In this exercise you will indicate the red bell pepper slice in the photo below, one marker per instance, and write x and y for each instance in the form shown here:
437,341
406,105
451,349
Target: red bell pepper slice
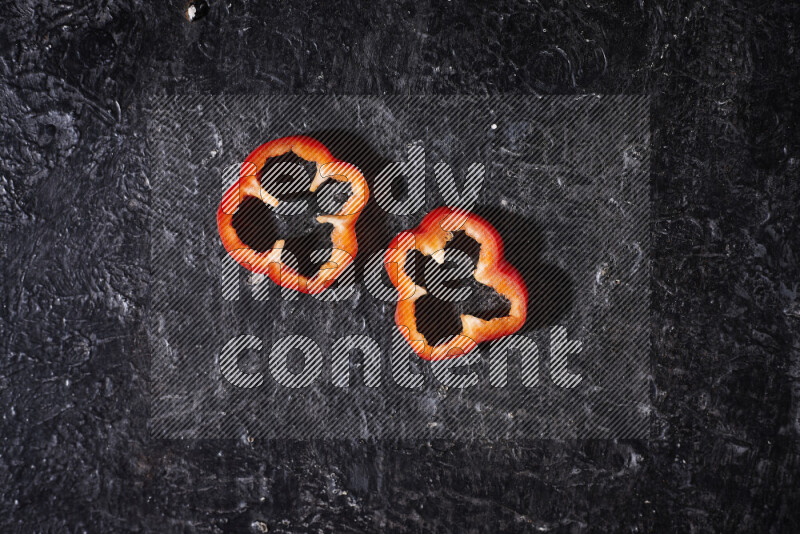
343,236
430,238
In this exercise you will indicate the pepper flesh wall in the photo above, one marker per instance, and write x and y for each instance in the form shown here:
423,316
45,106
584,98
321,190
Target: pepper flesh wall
430,238
343,236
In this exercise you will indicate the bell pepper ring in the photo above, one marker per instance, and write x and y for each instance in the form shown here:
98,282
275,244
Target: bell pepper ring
430,238
343,235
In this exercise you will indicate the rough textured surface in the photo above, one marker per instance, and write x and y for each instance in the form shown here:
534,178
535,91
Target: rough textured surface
726,360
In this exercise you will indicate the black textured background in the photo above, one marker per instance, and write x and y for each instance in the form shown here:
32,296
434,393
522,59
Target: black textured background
75,455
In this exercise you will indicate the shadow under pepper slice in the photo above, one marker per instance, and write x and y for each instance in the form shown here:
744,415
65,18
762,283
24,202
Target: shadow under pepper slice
430,238
343,236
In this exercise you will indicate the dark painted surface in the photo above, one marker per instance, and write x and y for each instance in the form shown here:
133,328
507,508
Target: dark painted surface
75,454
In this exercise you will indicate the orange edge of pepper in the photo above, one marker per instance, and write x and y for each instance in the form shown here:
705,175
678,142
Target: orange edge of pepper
343,235
430,238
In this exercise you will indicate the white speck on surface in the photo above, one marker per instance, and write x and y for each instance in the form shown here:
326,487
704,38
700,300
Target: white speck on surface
494,126
600,273
191,12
